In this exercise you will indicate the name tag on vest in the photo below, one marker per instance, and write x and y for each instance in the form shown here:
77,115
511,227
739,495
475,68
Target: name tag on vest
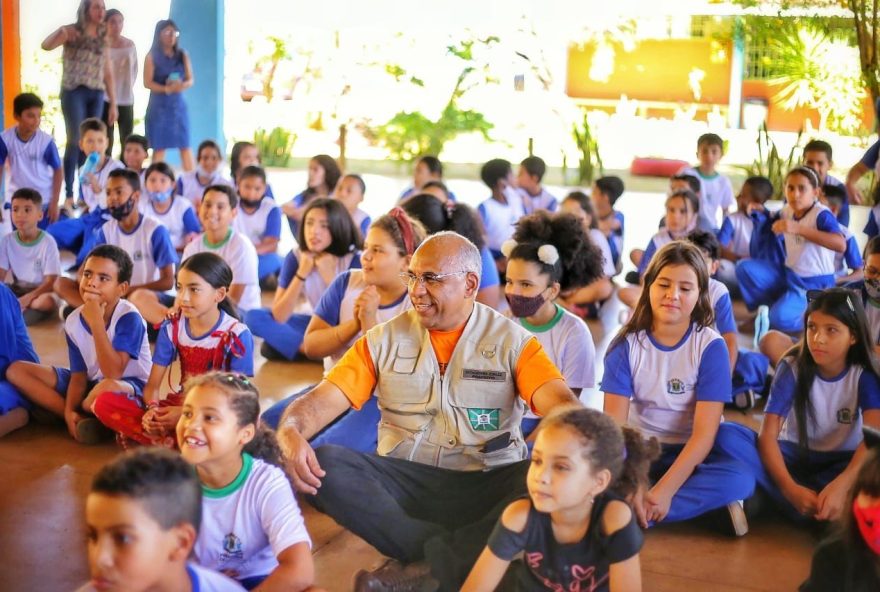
490,375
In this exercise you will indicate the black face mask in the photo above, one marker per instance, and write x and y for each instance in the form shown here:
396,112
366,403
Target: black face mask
524,306
250,203
120,212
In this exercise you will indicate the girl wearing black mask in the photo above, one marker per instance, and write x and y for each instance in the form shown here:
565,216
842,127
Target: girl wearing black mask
548,254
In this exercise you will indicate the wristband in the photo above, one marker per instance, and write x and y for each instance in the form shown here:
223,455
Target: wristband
299,277
152,405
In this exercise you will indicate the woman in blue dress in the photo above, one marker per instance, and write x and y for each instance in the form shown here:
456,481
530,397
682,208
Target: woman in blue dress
167,73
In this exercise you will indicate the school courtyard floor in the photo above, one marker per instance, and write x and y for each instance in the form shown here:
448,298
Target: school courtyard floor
47,475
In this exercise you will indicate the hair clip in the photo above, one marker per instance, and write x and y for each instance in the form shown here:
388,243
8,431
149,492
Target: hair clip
507,247
548,254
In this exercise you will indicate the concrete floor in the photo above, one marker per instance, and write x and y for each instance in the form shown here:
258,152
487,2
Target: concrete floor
42,536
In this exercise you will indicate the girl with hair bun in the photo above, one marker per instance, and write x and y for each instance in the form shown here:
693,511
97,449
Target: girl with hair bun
549,254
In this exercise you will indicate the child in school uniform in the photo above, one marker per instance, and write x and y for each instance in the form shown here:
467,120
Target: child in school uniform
811,237
108,347
749,369
428,169
355,302
15,345
869,290
142,237
29,258
143,514
242,155
503,208
667,373
70,234
604,194
135,152
259,219
575,529
204,334
350,192
208,172
810,447
330,244
174,212
534,195
33,159
682,211
817,156
547,255
438,214
323,176
252,527
735,235
847,265
716,192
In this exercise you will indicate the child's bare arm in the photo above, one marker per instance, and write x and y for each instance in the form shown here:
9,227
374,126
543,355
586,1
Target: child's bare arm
268,244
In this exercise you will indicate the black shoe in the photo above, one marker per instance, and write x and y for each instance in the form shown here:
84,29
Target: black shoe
270,353
744,401
396,577
32,317
91,431
66,311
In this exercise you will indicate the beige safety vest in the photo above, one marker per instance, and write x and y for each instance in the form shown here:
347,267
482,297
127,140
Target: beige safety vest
446,421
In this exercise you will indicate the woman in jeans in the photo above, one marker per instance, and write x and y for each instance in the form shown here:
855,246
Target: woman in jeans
85,77
124,63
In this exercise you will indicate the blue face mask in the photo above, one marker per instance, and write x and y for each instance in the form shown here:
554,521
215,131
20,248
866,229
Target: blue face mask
161,196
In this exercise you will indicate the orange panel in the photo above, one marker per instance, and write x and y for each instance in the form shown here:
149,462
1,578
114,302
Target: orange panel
783,120
11,57
655,70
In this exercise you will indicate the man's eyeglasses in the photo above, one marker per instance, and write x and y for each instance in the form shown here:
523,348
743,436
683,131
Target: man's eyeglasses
429,280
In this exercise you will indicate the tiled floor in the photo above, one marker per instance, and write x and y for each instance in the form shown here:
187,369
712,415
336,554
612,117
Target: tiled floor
46,476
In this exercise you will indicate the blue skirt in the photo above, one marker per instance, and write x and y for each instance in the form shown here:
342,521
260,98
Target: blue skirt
167,121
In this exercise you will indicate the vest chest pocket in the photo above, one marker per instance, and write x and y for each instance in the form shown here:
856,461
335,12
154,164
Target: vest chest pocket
404,391
482,403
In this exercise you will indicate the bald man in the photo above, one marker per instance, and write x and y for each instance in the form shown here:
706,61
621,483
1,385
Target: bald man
452,378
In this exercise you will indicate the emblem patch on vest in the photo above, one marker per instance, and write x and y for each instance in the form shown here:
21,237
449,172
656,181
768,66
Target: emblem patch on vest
844,415
491,375
484,420
675,386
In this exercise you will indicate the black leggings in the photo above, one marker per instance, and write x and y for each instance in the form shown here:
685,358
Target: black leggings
126,124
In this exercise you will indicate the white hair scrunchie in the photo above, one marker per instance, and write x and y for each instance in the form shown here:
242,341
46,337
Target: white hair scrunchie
507,247
548,254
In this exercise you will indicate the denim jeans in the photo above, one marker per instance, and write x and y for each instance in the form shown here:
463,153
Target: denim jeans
77,104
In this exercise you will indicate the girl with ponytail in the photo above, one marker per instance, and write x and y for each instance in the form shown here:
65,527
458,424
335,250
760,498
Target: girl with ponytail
204,331
575,530
263,544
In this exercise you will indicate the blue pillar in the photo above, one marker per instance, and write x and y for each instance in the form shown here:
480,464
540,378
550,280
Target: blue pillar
201,24
737,67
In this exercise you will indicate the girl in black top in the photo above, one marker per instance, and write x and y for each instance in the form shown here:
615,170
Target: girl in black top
849,561
575,533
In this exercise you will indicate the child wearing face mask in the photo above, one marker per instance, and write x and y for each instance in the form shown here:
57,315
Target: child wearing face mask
849,560
549,254
173,211
144,238
259,219
192,184
869,289
503,208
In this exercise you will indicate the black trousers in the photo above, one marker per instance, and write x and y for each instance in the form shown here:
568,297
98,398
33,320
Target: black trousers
410,511
125,122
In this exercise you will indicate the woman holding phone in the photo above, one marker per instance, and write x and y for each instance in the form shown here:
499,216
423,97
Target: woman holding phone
167,73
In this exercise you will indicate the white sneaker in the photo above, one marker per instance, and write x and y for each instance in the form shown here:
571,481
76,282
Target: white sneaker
739,524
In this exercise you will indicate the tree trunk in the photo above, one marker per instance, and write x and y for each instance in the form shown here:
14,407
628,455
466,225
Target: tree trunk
865,14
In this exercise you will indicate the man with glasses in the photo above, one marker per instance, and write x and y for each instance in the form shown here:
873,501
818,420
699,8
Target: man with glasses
452,379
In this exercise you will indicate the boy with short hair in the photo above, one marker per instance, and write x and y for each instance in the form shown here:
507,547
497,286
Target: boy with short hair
716,192
817,156
31,256
847,265
135,151
535,197
502,210
604,194
107,345
259,219
350,192
153,498
736,231
70,234
142,237
33,157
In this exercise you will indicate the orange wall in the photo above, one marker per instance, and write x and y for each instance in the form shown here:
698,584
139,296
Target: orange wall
11,57
656,70
779,119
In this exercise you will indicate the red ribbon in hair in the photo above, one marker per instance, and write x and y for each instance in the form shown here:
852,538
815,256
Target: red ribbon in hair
406,230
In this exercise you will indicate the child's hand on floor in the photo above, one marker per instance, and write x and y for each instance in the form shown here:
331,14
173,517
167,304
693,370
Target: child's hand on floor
803,499
832,499
657,504
71,418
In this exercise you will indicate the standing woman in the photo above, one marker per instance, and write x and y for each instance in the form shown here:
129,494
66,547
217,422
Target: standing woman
85,77
124,65
167,73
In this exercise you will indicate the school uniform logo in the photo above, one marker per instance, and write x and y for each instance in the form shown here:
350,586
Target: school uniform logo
484,420
844,415
138,255
675,386
231,548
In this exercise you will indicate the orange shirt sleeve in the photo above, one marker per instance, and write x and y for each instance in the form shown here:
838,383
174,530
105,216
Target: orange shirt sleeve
355,374
534,368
